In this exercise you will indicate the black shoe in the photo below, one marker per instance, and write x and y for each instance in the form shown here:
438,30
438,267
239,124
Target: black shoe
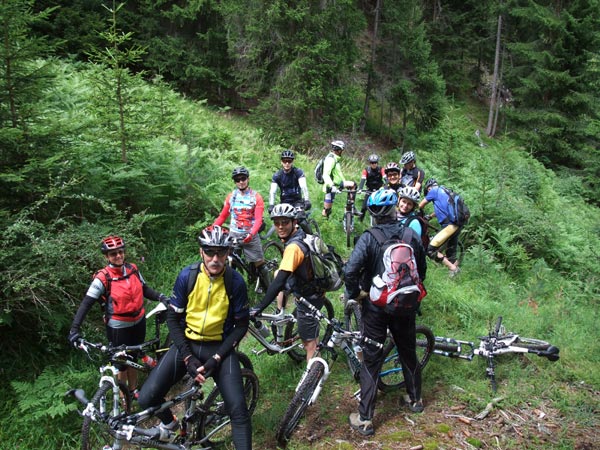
364,427
415,406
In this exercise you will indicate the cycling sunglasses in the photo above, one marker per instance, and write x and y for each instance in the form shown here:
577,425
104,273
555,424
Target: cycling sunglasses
212,251
238,179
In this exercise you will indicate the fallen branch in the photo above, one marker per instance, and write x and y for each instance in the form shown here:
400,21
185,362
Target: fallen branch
488,409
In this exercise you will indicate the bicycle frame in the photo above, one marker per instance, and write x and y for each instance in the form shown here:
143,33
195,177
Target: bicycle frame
279,321
124,427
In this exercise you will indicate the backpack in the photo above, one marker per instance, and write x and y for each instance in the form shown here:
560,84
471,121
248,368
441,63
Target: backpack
327,265
227,279
424,228
107,303
459,211
319,170
398,290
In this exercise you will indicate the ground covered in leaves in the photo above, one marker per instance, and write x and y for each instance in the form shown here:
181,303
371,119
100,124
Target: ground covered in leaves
452,426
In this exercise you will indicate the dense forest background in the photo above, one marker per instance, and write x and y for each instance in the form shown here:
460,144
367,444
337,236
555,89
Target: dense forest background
128,118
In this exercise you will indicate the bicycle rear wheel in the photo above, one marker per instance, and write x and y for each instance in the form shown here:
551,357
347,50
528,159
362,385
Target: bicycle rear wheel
391,377
95,432
348,228
214,427
532,344
291,331
299,403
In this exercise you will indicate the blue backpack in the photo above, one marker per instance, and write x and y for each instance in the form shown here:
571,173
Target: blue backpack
459,211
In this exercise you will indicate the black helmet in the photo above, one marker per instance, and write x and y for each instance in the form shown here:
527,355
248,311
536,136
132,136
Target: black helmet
240,171
429,183
287,154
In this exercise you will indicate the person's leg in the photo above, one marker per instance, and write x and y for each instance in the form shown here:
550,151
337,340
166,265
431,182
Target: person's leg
373,326
170,370
404,335
309,326
229,381
437,241
328,203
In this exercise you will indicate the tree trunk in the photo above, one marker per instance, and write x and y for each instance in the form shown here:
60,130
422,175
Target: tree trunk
369,86
494,93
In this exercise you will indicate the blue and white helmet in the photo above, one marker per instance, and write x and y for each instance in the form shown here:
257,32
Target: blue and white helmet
382,203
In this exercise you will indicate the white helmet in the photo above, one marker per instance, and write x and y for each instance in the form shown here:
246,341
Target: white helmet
410,193
338,145
214,236
283,210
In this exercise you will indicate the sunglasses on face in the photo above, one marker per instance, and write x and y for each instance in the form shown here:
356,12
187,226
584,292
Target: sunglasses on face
282,222
287,161
393,174
219,251
239,179
114,253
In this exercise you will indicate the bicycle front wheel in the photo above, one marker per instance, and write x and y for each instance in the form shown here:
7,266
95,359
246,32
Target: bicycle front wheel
352,316
95,432
299,403
214,427
291,331
391,377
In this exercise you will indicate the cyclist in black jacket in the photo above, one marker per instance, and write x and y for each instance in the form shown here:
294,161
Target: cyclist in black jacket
365,262
372,176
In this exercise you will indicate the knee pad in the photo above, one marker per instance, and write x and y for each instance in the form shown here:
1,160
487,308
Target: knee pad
432,252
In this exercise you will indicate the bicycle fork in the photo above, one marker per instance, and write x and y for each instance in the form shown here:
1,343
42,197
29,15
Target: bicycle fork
326,372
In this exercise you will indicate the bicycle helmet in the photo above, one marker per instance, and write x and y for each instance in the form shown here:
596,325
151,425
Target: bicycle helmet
338,146
111,243
382,203
287,154
408,157
214,236
283,210
410,193
373,158
429,183
392,167
241,170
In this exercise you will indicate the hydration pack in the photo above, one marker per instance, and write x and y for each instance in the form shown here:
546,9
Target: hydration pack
327,265
398,289
459,211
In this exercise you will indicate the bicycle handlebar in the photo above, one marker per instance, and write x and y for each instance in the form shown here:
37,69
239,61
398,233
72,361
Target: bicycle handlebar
337,326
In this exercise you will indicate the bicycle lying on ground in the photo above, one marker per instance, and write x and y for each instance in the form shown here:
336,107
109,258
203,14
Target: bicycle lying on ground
278,332
109,422
318,370
497,342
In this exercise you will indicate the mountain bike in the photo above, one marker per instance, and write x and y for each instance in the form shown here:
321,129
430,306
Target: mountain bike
280,335
390,377
497,342
318,370
349,213
108,420
273,251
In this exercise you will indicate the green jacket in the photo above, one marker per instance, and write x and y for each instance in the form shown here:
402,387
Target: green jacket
332,171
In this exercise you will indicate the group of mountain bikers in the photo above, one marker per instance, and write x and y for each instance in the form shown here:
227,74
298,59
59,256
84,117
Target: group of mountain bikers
209,314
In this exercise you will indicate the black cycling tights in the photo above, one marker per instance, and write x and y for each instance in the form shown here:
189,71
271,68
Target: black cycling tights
171,369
